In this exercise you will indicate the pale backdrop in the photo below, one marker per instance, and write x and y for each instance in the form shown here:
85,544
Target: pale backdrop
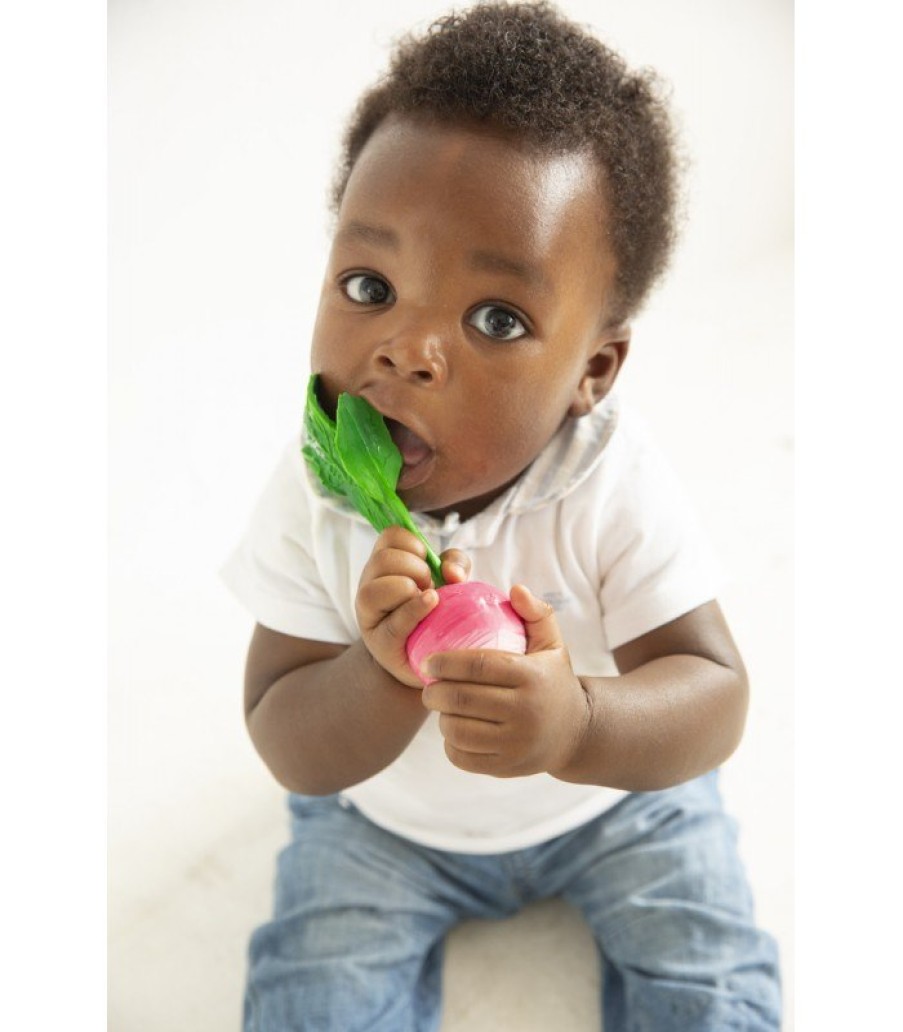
225,117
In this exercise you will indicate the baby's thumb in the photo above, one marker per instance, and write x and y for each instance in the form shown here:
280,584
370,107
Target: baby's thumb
455,566
539,618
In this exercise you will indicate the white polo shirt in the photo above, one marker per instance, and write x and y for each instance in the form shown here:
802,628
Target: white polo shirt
597,526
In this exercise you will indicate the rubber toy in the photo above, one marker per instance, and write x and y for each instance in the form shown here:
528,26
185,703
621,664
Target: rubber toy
473,615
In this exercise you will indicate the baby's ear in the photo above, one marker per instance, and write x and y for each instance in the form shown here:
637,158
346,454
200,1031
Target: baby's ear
601,371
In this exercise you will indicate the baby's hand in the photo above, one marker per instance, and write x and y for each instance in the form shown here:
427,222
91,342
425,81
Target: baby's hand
510,715
395,593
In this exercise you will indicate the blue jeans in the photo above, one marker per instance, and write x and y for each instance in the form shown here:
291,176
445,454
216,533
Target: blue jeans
360,917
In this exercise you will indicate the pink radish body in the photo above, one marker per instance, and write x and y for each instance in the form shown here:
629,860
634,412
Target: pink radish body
469,616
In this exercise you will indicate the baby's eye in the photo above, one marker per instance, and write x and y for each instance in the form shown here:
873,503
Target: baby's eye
368,290
498,323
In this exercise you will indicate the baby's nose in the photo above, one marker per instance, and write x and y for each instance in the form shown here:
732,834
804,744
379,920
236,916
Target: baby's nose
416,356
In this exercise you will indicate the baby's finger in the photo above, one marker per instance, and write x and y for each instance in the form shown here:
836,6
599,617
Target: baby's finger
396,562
398,625
398,537
479,702
470,736
455,566
539,619
376,599
476,666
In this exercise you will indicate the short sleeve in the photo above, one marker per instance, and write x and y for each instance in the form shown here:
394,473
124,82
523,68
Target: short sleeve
273,572
656,562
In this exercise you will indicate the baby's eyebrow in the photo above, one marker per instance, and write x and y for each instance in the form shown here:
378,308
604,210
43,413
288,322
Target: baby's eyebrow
380,236
491,261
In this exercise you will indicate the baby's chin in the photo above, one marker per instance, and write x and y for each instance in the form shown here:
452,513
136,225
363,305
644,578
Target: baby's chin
433,503
438,505
428,503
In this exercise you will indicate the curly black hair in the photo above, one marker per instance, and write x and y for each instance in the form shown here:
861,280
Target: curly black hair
524,68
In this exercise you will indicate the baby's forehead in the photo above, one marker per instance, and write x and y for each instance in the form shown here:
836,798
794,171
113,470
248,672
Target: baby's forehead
482,166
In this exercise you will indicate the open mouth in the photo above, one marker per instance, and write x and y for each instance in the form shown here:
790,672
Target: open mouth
417,455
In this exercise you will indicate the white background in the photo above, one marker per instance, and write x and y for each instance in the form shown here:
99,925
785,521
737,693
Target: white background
182,951
225,120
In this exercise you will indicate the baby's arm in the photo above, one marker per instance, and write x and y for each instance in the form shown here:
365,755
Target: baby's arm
324,716
676,710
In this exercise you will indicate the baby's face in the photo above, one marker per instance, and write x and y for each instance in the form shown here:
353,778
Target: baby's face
465,298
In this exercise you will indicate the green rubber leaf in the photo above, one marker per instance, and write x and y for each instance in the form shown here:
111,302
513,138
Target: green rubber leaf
367,450
355,457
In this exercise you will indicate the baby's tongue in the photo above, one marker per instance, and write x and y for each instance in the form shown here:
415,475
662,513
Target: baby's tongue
413,448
